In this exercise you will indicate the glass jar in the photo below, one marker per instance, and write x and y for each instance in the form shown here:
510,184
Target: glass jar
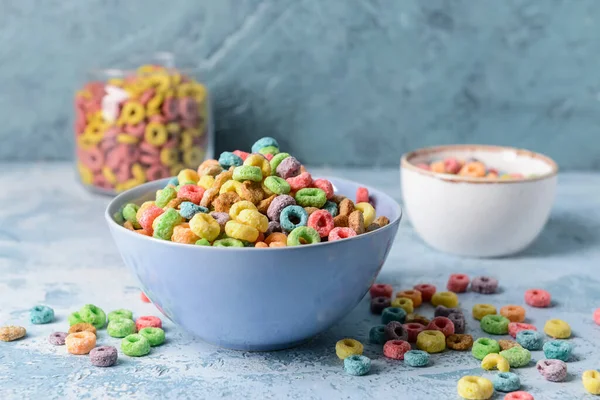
140,124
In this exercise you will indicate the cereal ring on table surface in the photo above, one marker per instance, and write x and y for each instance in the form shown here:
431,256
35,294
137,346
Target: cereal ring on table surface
362,195
224,201
377,334
552,370
530,340
458,283
80,343
412,317
495,324
93,315
321,221
427,291
506,344
205,226
431,341
228,159
446,299
395,331
341,221
538,298
247,173
356,222
416,358
331,208
11,332
57,338
135,345
494,360
103,356
292,217
458,319
381,290
276,237
459,342
82,326
187,210
254,219
129,213
303,235
474,169
288,168
591,381
513,313
228,242
357,365
74,318
41,315
155,336
516,356
506,382
347,347
484,346
518,396
340,233
264,142
302,181
390,314
148,321
413,295
481,310
192,193
413,329
475,388
403,303
118,314
442,311
163,225
515,327
258,160
277,185
278,204
263,205
237,230
310,197
119,328
368,212
558,350
164,196
441,324
395,349
325,186
557,329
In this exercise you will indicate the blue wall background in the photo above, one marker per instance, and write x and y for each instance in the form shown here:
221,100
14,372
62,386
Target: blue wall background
355,82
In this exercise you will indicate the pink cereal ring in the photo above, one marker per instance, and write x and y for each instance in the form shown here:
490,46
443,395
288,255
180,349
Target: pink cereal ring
157,171
147,148
123,172
169,108
147,96
92,158
322,222
301,181
538,298
452,165
395,349
193,193
362,195
340,233
107,144
241,154
188,108
112,132
150,159
423,166
172,143
148,216
516,327
148,322
325,186
458,283
597,316
137,130
518,396
381,290
159,119
101,182
190,123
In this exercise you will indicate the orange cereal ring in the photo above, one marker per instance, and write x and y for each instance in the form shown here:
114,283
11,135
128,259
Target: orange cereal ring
513,313
132,113
475,169
278,244
183,234
412,294
156,134
261,245
276,237
80,342
83,326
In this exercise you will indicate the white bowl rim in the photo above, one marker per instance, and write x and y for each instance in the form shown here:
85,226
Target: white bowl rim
118,199
405,162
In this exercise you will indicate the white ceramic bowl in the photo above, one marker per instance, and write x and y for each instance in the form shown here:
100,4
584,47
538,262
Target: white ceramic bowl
478,217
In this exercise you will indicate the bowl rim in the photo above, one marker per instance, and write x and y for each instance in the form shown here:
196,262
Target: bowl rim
143,189
405,162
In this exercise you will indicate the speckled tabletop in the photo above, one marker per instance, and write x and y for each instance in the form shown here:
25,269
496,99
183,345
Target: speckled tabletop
55,249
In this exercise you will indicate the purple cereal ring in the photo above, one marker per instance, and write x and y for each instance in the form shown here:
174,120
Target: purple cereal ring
137,130
104,356
221,217
288,168
458,319
552,370
274,226
169,108
188,108
484,285
156,172
278,204
57,338
441,311
92,158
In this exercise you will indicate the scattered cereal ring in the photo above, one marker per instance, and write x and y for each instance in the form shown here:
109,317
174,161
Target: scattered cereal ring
414,295
558,350
292,217
518,396
458,319
427,291
322,222
484,346
403,303
146,219
80,343
390,314
552,370
458,283
57,338
93,315
395,349
530,340
506,382
303,235
538,298
276,160
516,356
10,332
395,331
259,161
516,327
41,315
494,360
340,233
155,336
118,314
74,318
412,317
557,329
484,285
446,299
121,327
416,358
591,381
381,290
507,344
441,324
441,311
513,313
459,342
135,345
495,324
377,334
475,388
481,310
103,356
347,347
413,329
311,197
431,341
357,365
148,321
81,327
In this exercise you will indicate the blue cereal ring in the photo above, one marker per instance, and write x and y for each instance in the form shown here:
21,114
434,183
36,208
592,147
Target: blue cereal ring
187,209
173,181
41,315
263,142
377,335
228,159
530,339
505,381
292,217
357,365
331,208
393,314
558,350
416,358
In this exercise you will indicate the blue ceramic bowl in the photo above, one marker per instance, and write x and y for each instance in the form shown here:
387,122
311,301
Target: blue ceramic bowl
255,299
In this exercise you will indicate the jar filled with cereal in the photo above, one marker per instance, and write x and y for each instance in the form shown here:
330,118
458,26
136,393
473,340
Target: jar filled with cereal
134,125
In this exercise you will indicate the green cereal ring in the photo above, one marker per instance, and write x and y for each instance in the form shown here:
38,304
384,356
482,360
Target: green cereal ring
247,173
155,336
276,160
331,208
269,150
186,183
93,315
305,233
121,327
129,212
484,346
202,242
311,197
135,345
74,318
165,223
164,196
495,324
516,356
277,185
228,242
118,314
118,217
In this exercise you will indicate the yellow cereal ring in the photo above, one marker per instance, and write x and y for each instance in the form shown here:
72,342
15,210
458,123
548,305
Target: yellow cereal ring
494,360
348,347
186,175
127,139
239,206
368,212
481,310
254,219
132,113
109,175
557,329
230,186
95,128
160,81
199,92
240,231
187,141
205,226
186,89
446,299
138,173
431,341
156,134
192,157
87,176
170,157
173,128
155,103
206,181
256,160
404,303
591,381
193,132
475,388
87,141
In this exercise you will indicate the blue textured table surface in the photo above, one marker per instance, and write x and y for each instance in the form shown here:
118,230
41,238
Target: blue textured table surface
55,249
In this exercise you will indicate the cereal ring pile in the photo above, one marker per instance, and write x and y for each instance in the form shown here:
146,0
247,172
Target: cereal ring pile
261,199
145,126
472,168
